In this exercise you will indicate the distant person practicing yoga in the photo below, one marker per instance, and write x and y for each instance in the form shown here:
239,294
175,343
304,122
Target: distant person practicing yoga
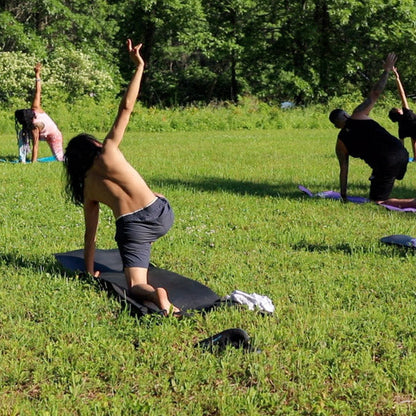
37,125
99,173
405,117
364,138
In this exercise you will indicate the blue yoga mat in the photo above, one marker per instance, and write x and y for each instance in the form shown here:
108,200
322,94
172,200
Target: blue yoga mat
41,159
400,240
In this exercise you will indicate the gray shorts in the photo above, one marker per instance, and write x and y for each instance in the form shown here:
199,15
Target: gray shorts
136,232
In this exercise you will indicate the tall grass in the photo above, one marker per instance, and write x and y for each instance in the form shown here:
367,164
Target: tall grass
249,113
342,340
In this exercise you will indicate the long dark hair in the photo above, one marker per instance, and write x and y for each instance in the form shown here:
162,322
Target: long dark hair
24,118
79,157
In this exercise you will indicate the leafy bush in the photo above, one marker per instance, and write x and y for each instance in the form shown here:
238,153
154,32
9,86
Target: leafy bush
68,75
17,77
77,75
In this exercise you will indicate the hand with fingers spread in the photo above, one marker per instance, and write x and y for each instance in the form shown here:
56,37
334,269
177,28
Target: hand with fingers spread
134,52
37,69
389,62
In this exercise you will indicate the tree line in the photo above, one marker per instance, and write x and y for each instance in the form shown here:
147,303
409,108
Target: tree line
199,51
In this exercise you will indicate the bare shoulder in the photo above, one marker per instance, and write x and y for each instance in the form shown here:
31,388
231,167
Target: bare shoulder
112,166
111,158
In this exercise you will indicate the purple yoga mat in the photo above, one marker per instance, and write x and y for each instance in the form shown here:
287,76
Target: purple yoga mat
393,208
355,199
333,195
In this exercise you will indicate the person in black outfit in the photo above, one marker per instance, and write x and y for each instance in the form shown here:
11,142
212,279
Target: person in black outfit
405,117
364,138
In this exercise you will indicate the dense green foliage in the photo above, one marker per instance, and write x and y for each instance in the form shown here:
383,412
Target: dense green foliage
206,50
342,341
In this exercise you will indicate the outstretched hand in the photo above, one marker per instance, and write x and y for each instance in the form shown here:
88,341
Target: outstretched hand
390,61
37,69
134,52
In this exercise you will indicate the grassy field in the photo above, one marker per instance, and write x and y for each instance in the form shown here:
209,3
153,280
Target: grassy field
342,340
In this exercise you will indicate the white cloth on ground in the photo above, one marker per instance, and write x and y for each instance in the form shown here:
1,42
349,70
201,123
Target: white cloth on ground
252,300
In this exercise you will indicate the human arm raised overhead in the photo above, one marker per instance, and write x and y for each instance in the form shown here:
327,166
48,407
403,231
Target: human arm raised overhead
36,102
363,110
401,89
36,106
116,133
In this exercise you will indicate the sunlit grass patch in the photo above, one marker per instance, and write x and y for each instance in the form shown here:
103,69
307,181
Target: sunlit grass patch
341,340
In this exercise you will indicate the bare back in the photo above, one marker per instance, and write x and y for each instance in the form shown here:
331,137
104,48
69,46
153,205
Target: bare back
114,182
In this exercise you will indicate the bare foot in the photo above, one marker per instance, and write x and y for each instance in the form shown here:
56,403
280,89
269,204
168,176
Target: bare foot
164,302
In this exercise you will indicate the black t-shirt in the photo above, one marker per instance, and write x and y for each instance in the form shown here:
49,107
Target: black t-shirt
367,140
407,124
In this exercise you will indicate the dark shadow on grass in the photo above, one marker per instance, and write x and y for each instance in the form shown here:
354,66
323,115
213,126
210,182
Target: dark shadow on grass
43,264
261,189
235,186
348,249
8,158
40,264
324,248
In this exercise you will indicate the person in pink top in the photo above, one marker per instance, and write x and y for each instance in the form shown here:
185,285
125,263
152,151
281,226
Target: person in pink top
37,125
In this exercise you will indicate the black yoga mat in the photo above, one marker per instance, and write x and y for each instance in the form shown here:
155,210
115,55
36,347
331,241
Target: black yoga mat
183,292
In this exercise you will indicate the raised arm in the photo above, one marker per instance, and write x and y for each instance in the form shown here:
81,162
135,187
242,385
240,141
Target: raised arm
36,106
401,89
363,110
128,101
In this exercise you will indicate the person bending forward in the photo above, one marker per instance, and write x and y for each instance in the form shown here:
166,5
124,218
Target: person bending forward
364,138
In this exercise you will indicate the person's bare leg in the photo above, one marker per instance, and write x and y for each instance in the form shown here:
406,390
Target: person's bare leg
399,203
139,288
413,148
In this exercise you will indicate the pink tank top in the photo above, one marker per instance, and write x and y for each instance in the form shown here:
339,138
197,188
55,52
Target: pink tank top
50,131
51,134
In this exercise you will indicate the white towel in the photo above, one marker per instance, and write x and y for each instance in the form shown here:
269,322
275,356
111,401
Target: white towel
252,300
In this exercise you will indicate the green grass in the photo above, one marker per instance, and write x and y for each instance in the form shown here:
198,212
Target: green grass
250,113
342,340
